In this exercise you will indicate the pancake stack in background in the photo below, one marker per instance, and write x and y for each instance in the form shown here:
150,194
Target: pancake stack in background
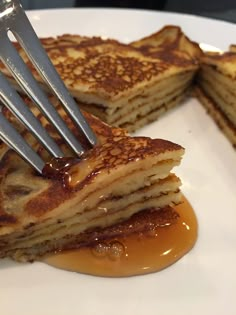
217,89
117,178
171,46
130,85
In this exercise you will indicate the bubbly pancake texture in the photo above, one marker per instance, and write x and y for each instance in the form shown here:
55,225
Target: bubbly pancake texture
119,177
172,41
125,85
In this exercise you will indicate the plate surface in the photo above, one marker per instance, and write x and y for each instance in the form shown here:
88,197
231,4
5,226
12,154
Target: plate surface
202,282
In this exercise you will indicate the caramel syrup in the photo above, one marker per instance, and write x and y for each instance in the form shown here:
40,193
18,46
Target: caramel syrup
61,168
137,253
58,168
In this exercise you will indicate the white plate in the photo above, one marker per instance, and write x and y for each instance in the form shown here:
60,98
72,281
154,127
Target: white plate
204,281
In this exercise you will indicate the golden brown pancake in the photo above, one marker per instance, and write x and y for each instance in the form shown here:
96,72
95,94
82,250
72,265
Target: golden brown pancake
216,91
125,85
168,43
119,177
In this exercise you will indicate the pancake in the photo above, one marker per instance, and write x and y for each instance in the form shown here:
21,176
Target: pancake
169,43
119,177
216,91
124,84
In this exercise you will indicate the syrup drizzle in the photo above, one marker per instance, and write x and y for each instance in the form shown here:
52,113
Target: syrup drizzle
138,253
57,168
62,169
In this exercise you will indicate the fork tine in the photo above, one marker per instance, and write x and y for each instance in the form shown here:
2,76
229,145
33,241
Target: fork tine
25,34
10,98
23,76
14,140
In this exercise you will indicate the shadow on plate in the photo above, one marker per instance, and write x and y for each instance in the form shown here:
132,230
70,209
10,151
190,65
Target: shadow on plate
8,263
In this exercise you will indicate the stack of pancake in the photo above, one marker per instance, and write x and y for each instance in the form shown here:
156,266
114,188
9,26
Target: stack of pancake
119,177
217,92
126,86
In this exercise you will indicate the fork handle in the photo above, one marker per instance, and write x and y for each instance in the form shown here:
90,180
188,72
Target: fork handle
14,140
36,53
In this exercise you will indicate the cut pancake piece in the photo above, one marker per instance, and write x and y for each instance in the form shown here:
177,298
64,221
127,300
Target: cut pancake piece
216,91
119,177
155,113
140,109
119,83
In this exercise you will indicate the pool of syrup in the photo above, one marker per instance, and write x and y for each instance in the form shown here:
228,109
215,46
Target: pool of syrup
137,253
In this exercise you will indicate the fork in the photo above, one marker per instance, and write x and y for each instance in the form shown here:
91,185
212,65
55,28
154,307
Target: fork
13,19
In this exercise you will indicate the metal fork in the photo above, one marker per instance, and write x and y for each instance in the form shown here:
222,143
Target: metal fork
14,19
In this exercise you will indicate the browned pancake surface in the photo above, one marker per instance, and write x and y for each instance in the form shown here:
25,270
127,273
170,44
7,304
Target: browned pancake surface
27,196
